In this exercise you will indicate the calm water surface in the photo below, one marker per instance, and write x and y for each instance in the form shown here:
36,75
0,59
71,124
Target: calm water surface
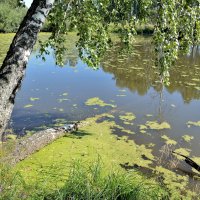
131,83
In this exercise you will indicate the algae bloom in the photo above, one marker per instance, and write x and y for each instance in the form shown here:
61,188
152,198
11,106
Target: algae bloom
168,140
127,117
193,123
96,101
157,126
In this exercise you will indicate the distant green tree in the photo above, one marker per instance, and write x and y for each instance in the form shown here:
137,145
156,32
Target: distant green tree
11,15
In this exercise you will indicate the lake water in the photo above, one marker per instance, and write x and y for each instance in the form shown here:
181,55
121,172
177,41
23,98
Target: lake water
51,94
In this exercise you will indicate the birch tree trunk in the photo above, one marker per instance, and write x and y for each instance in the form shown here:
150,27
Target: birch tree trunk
14,65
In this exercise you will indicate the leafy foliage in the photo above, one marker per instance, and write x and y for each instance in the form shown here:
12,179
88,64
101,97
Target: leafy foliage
176,27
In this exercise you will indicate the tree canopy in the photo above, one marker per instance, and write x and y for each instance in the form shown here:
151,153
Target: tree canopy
176,27
11,14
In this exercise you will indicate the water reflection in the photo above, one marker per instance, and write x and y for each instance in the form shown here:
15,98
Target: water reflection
138,72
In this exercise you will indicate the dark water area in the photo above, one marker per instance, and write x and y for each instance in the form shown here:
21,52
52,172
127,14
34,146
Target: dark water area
52,95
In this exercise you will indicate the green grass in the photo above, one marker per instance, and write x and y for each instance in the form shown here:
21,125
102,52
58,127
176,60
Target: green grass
85,182
91,183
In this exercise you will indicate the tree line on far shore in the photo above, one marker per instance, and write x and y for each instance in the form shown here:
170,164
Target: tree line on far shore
11,14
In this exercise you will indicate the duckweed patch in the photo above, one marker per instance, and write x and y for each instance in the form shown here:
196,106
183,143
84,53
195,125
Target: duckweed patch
157,126
149,115
183,151
28,106
63,99
187,138
168,140
120,95
96,101
51,165
193,123
34,98
127,116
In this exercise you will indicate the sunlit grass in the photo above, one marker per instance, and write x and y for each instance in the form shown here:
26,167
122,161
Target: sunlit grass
85,182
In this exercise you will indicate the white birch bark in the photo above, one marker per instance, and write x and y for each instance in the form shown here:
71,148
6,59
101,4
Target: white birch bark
14,65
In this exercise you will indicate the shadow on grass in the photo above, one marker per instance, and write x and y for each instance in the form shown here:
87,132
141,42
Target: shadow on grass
77,134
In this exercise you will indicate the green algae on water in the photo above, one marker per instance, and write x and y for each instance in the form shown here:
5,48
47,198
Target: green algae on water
28,106
168,140
142,127
120,95
127,116
193,123
63,99
157,126
92,140
96,101
52,163
149,115
183,151
187,138
34,98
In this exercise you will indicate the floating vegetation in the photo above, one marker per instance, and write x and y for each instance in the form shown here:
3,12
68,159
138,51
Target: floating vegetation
157,126
96,101
172,105
122,129
107,115
142,131
149,115
34,99
168,140
142,127
193,123
91,141
151,145
128,123
120,95
11,137
128,131
183,151
65,94
61,100
187,138
127,116
122,90
59,122
28,106
61,109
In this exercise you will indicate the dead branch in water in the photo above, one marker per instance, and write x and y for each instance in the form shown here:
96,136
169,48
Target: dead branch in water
189,161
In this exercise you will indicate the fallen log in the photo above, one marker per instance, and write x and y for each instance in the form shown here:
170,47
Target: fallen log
30,145
189,161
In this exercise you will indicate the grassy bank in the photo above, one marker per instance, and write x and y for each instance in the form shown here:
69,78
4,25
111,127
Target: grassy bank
84,182
53,172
